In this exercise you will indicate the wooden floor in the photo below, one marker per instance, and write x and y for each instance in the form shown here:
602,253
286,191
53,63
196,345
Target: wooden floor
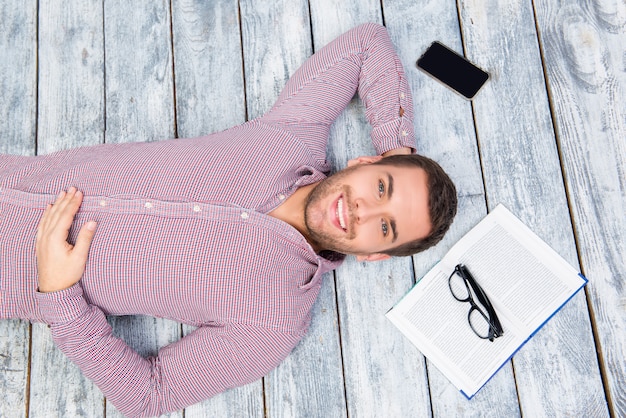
546,137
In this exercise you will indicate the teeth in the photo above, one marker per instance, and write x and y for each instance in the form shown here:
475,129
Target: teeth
342,221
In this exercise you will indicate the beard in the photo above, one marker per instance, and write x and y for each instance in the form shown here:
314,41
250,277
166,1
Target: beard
316,214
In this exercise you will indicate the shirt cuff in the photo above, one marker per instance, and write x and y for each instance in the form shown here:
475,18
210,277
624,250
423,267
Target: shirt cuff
394,134
62,306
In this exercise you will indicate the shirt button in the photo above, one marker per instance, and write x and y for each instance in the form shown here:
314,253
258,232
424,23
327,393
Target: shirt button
197,208
405,133
148,205
103,203
245,215
402,95
281,197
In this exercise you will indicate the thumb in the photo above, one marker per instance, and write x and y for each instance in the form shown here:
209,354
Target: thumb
83,241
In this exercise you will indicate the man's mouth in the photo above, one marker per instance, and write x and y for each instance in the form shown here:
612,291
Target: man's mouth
341,213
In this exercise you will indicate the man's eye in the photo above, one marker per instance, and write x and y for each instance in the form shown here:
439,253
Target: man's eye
381,188
385,228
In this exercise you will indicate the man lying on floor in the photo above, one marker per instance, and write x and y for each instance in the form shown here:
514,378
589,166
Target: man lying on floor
229,232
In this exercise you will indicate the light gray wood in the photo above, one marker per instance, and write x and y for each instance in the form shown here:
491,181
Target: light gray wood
556,371
139,82
71,99
309,382
18,84
14,349
18,77
139,107
384,375
445,131
276,41
584,46
70,75
209,98
208,66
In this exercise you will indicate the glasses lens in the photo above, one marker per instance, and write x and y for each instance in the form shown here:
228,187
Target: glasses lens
479,322
459,288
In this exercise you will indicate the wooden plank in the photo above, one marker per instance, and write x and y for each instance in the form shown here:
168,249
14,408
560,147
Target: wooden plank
71,75
139,82
445,131
382,379
557,372
276,41
71,104
18,77
209,98
139,107
18,84
208,66
583,46
14,350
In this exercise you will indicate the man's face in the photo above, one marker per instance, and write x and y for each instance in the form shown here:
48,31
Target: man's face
367,209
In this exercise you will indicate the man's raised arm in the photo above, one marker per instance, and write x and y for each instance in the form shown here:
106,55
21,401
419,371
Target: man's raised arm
361,60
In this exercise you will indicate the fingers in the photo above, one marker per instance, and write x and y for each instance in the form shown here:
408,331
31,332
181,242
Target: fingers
83,241
59,217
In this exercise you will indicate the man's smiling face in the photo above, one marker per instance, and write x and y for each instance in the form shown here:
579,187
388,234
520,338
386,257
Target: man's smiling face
367,209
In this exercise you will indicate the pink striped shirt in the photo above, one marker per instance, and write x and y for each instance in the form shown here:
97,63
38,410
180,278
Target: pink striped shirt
183,233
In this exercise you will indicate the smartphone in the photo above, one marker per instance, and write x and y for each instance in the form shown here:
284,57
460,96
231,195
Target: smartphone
453,70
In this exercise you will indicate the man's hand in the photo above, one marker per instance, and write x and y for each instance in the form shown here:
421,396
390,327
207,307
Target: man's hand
60,264
398,151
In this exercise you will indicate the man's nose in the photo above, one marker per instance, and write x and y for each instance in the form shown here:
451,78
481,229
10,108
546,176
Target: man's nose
364,210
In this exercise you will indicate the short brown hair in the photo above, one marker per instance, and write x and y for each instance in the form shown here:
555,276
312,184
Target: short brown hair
442,201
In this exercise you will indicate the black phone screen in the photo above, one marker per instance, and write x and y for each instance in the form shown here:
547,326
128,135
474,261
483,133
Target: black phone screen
452,69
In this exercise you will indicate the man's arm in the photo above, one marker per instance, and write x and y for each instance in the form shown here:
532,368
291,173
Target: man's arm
206,362
361,60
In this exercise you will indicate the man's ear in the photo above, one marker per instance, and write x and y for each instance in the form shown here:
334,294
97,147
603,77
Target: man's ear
366,159
373,257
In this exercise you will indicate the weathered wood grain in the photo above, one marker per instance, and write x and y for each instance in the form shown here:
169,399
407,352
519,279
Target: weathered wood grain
70,114
208,66
139,82
382,378
276,41
18,107
14,349
18,77
556,371
70,75
584,47
445,131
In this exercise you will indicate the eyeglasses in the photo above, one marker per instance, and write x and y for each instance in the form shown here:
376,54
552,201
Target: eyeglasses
485,325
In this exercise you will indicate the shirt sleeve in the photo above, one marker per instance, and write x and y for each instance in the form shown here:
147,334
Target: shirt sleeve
361,60
202,364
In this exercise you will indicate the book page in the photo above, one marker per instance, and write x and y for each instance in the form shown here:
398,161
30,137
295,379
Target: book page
443,321
525,280
523,277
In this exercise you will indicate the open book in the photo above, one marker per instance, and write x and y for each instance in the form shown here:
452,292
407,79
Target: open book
526,281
